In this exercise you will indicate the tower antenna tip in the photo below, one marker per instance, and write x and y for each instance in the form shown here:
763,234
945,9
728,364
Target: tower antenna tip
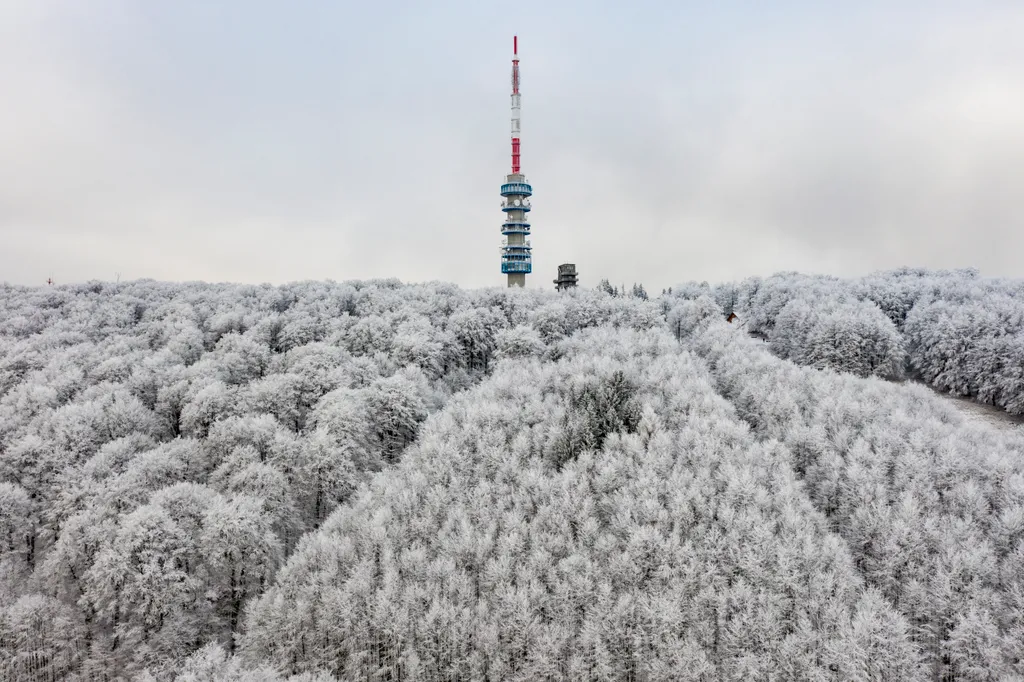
515,44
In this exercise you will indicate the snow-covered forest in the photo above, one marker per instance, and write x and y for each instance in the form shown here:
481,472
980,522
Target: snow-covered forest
952,329
371,480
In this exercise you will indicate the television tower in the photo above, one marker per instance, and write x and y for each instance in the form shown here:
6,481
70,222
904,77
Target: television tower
516,261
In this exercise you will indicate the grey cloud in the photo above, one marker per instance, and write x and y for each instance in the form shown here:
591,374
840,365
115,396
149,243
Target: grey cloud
663,144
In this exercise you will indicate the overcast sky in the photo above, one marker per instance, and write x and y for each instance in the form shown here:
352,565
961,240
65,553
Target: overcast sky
666,141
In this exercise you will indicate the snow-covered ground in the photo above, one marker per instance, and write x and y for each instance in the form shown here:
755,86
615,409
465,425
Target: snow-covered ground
986,414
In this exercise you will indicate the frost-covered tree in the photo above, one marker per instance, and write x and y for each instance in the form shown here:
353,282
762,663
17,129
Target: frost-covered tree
396,408
138,584
40,639
213,662
795,324
855,338
242,552
522,341
687,315
17,526
327,474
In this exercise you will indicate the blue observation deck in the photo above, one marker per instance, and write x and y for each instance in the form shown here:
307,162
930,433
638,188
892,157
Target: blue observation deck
516,189
512,264
506,208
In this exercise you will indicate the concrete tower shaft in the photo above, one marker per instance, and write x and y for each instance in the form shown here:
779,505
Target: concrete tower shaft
516,259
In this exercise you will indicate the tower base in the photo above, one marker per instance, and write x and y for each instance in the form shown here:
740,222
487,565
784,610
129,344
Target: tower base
517,279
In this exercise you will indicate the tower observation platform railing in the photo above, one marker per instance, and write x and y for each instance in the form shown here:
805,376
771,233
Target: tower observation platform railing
515,226
516,189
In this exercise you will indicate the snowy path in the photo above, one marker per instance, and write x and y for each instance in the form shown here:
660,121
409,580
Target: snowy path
984,414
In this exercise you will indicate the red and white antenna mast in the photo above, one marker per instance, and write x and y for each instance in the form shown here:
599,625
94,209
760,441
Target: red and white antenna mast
515,104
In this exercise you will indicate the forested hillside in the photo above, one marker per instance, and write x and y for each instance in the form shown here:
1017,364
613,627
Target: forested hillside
372,480
954,330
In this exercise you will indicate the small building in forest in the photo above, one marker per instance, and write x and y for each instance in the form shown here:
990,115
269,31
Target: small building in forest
732,316
566,277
